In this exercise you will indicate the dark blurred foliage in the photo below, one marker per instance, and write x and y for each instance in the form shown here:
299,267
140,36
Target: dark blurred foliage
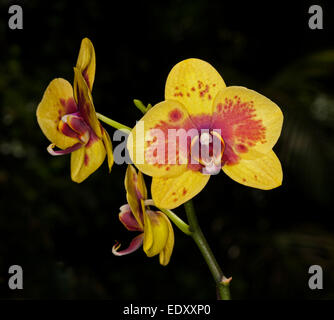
61,233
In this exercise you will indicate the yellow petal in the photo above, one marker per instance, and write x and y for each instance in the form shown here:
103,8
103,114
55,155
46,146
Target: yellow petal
107,143
156,232
133,199
148,142
166,253
56,102
84,100
86,160
170,193
194,83
250,123
86,62
141,185
263,173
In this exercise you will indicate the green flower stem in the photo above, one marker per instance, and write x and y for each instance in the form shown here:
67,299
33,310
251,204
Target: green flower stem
177,221
140,105
221,281
172,216
113,123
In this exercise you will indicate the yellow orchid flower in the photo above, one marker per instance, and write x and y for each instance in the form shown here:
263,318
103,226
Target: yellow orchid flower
157,235
67,117
218,127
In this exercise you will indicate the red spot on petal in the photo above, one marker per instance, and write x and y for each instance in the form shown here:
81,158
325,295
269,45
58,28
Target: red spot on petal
193,89
173,193
69,106
209,97
241,148
188,94
175,115
184,191
243,179
86,160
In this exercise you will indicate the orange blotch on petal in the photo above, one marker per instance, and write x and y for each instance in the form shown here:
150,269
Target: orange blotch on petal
175,115
239,127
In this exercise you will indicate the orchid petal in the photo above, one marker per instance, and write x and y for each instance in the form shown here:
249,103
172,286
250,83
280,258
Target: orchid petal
107,143
87,159
56,102
170,193
194,83
149,147
155,232
85,104
132,194
128,219
166,253
263,173
250,123
86,62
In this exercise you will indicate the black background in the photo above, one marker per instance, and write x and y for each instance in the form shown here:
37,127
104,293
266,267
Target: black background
61,233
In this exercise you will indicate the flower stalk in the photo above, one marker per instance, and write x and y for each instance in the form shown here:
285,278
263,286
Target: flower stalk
172,216
113,123
222,283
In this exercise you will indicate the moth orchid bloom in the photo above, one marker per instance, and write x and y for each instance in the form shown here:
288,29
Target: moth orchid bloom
210,127
67,117
157,235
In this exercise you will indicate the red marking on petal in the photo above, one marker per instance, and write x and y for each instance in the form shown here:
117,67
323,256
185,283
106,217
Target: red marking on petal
65,129
193,89
86,159
129,221
188,94
209,97
203,92
241,148
176,88
175,115
69,106
85,76
184,191
239,127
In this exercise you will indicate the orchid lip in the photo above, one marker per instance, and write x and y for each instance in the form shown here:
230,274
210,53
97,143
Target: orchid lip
207,149
77,125
75,147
